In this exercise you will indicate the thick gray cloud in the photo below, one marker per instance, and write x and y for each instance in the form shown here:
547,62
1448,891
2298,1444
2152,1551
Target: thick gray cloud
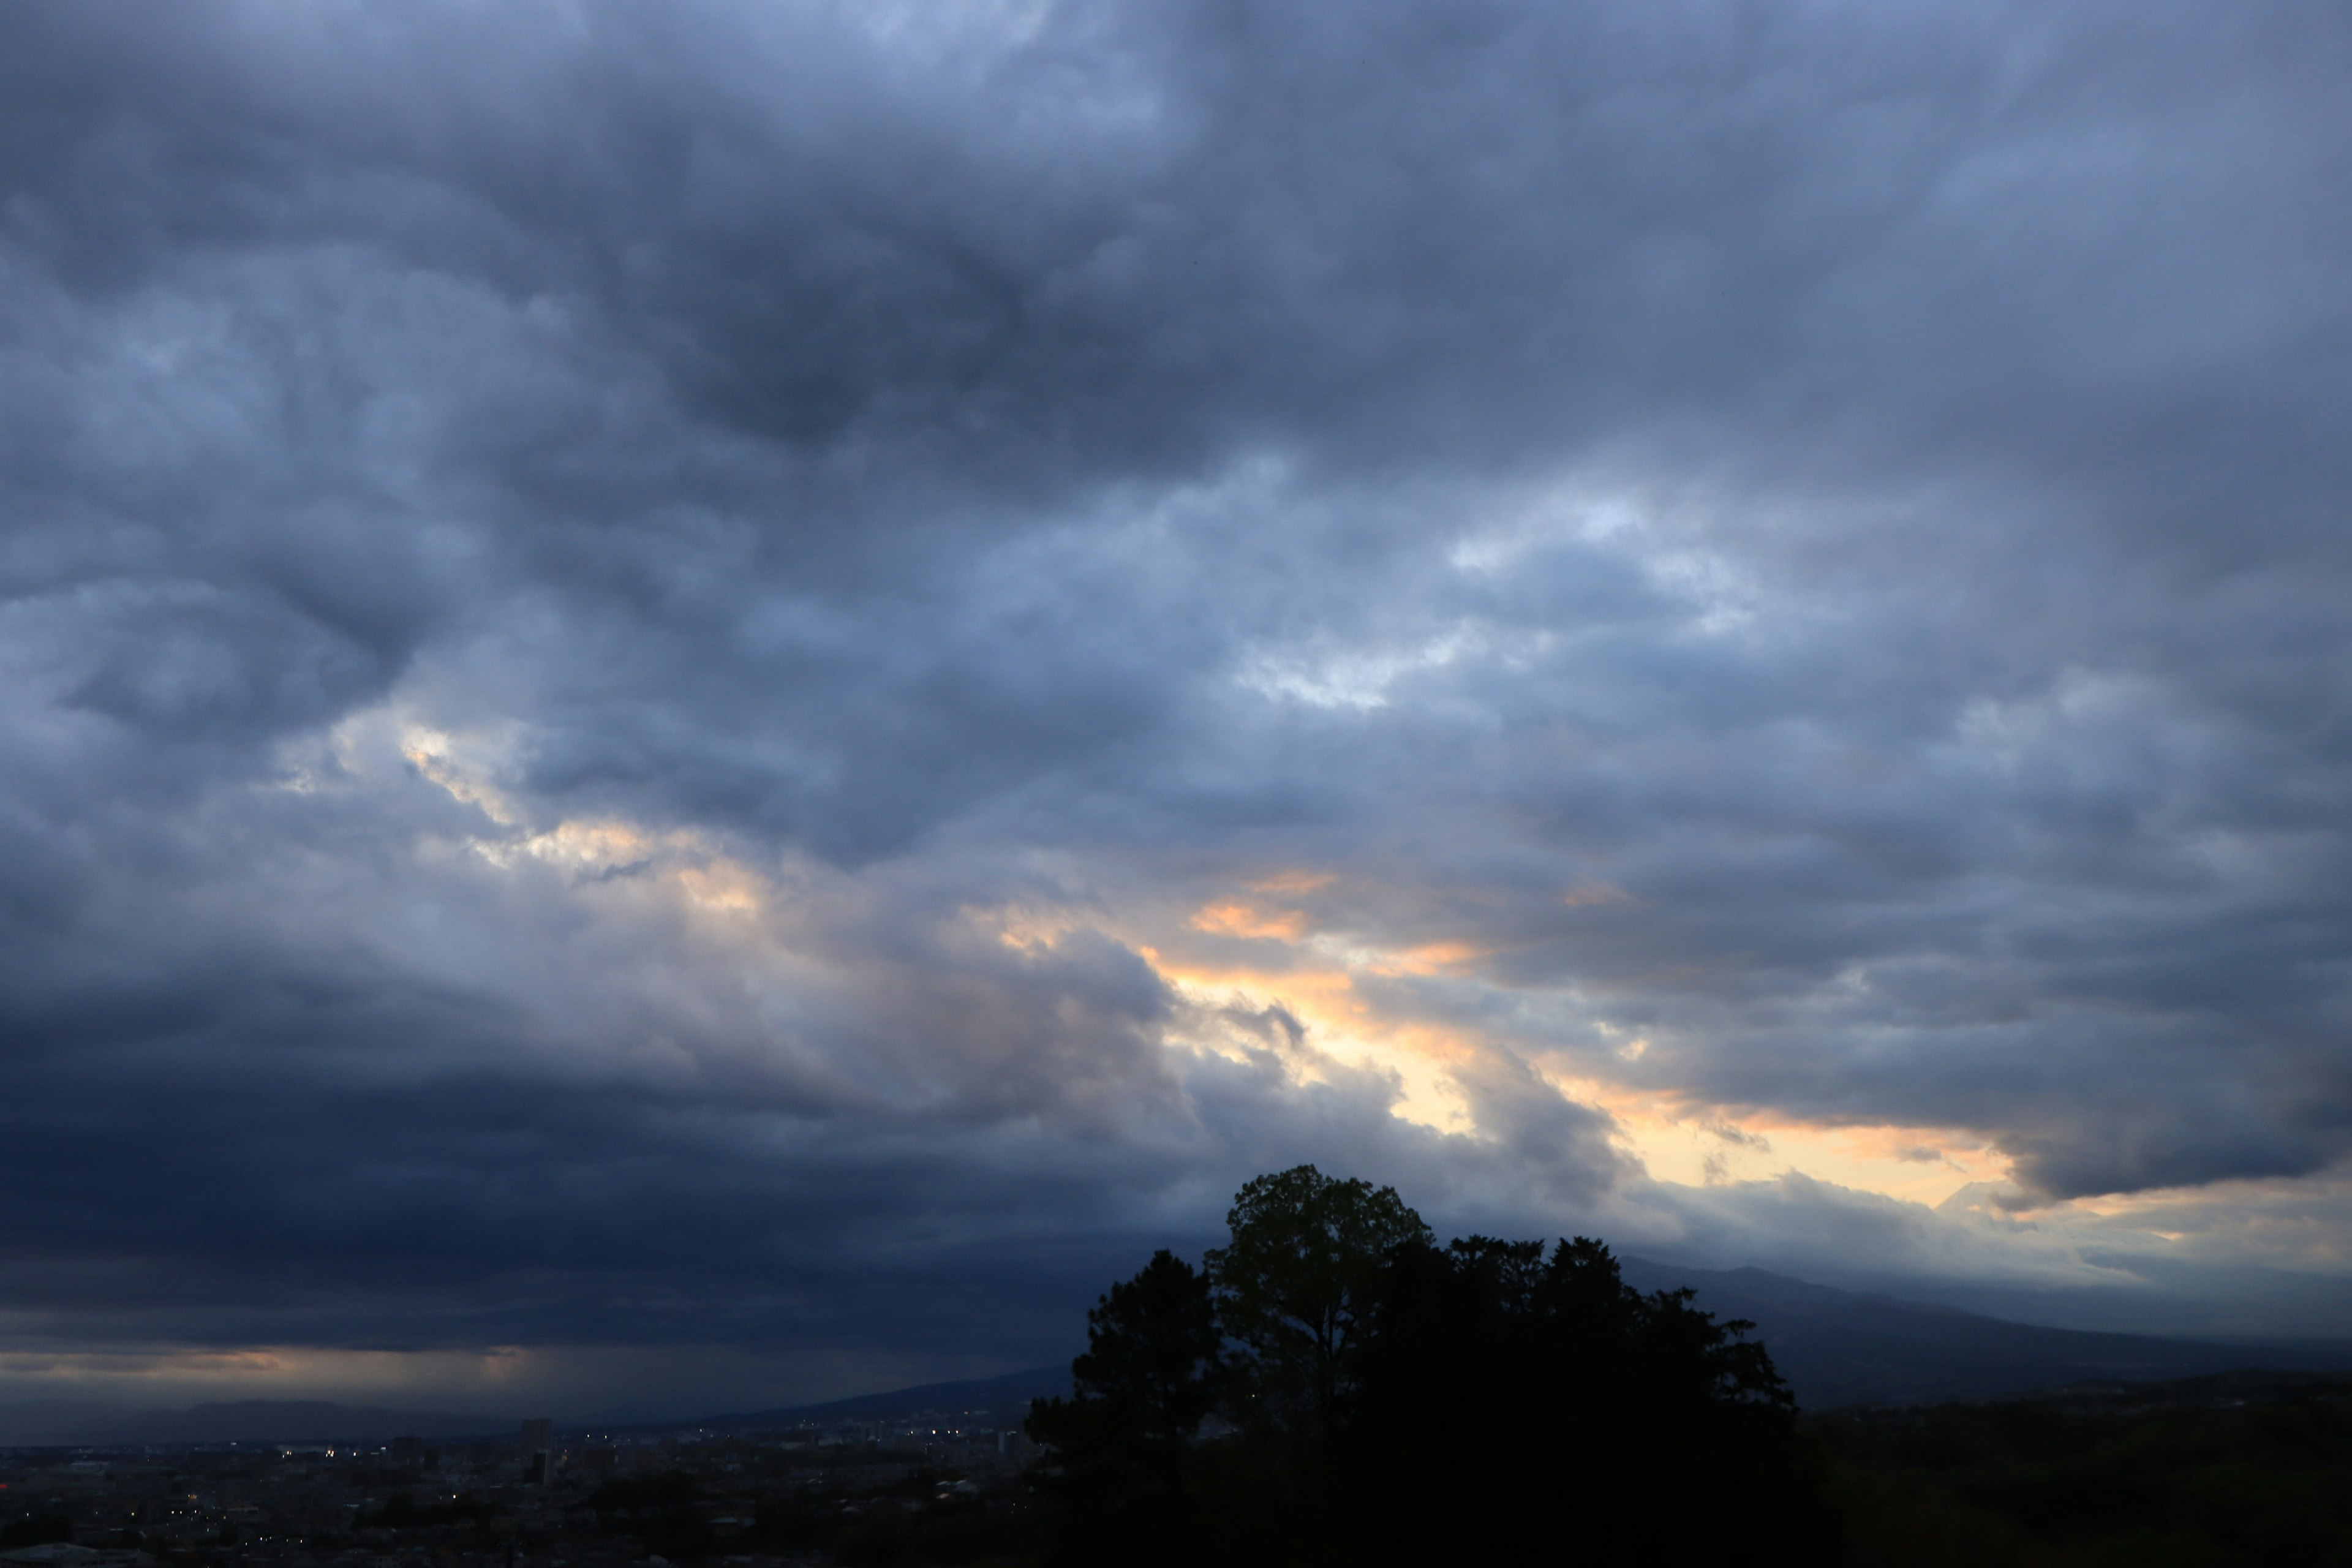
641,644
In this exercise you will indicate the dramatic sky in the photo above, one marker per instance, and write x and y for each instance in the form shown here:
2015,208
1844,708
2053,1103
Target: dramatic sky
713,702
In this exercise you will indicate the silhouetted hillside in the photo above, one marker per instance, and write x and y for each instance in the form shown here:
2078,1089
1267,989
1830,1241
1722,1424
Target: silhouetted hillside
1835,1348
1007,1397
1840,1347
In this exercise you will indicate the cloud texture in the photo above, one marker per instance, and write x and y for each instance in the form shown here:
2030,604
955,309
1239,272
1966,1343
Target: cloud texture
729,676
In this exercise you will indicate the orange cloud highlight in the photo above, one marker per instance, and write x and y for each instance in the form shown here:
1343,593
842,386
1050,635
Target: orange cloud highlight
1244,919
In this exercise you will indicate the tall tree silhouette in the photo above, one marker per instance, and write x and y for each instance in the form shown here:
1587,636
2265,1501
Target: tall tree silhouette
1121,1444
1293,1284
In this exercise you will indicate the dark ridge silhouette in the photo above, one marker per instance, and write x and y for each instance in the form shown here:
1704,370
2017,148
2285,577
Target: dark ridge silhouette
1833,1347
1841,1348
1008,1395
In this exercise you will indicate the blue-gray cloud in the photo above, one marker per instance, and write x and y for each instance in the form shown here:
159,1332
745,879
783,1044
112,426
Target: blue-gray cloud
621,624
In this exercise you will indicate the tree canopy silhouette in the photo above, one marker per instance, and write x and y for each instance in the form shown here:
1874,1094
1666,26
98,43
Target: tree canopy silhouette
1333,1388
1498,1388
1295,1283
1154,1369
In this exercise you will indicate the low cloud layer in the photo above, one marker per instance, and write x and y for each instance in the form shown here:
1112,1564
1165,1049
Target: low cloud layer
779,681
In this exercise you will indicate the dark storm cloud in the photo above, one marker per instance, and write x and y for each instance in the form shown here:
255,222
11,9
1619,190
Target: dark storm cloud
622,625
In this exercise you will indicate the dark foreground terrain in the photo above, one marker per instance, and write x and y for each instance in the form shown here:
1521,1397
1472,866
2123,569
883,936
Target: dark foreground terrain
894,1495
2243,1469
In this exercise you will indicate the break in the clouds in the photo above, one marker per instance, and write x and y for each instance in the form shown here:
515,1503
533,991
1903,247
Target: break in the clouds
765,685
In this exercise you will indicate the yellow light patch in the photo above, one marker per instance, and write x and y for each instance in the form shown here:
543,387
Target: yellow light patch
1343,1027
1430,958
721,886
590,844
441,757
1243,919
1698,1145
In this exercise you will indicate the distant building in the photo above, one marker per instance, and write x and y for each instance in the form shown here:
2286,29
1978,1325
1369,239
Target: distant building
538,1451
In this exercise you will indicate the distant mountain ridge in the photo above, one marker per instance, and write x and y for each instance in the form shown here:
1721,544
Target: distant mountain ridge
1835,1348
1006,1397
1843,1347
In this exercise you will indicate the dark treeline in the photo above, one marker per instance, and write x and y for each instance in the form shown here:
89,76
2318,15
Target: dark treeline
2248,1468
1333,1388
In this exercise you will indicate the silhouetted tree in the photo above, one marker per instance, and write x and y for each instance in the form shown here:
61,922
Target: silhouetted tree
1400,1402
1292,1285
1121,1444
1499,1393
